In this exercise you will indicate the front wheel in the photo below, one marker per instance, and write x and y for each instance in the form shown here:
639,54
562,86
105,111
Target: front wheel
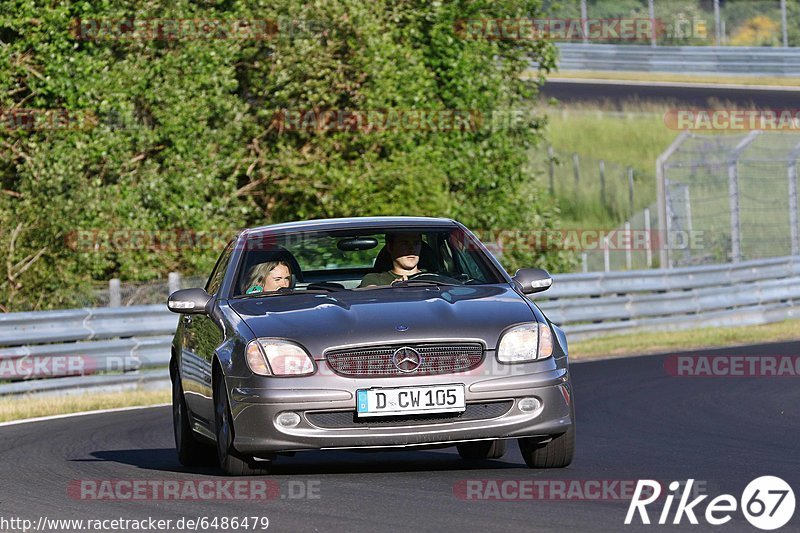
557,453
191,452
230,461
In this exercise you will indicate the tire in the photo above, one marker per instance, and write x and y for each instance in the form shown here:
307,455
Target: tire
191,452
554,454
230,461
485,449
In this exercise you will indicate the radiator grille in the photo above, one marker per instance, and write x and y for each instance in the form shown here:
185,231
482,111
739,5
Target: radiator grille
435,358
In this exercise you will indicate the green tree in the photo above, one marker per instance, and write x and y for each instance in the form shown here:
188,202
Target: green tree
181,134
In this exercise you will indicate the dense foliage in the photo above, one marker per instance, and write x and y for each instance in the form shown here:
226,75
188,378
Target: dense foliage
181,134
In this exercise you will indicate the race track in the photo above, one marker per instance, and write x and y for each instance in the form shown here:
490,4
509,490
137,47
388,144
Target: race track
691,95
635,421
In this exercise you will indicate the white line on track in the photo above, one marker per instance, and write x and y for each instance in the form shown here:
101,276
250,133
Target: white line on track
81,413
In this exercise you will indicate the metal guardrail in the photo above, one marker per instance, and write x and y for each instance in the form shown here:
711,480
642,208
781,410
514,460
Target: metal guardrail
750,292
729,60
132,344
92,348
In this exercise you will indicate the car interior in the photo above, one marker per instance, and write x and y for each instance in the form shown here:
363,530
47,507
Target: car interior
436,256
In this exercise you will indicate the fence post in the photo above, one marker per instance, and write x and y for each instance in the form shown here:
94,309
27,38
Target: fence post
794,214
584,23
652,10
552,165
602,183
648,242
783,25
717,25
733,195
661,202
630,189
629,241
114,293
174,282
585,262
576,169
606,255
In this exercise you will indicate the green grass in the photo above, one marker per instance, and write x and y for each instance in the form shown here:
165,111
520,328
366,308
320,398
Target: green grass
21,407
685,340
633,136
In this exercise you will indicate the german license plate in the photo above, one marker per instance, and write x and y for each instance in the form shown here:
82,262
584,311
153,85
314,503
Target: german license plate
410,400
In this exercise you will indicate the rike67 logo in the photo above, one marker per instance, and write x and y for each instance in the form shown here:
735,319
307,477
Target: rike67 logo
767,503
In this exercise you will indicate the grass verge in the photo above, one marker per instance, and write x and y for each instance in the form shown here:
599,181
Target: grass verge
30,406
679,78
685,340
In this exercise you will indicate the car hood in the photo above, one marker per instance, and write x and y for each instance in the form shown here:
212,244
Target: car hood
390,315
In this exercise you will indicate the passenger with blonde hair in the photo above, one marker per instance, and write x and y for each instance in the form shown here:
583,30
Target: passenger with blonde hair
269,276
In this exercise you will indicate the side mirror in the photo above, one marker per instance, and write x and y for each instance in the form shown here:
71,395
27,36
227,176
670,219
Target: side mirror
533,280
189,301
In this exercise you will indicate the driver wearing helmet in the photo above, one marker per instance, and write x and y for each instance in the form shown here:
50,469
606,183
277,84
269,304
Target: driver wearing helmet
404,249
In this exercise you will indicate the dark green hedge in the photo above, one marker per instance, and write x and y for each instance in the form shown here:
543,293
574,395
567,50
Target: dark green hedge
181,134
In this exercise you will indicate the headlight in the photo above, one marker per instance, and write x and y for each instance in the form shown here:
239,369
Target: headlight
272,357
526,342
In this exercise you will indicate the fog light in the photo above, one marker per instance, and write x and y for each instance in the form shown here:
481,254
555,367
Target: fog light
528,405
287,419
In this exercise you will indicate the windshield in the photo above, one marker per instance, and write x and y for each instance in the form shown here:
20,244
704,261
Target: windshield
339,260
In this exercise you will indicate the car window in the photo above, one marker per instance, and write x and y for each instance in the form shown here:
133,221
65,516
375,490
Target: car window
218,274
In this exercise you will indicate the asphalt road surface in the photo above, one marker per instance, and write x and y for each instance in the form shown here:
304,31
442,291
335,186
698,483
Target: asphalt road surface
635,421
699,96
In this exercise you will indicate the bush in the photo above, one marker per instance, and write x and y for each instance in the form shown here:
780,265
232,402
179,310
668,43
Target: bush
181,134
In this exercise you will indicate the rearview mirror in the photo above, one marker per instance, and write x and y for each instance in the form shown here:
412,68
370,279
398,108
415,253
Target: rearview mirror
533,280
189,301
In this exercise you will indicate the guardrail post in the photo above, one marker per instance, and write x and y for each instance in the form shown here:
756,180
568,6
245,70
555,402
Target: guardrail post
717,25
651,8
114,293
606,255
585,262
174,282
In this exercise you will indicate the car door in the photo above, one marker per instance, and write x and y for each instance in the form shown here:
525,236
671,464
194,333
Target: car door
202,335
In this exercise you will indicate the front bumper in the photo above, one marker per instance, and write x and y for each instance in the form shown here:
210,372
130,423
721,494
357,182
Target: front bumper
257,401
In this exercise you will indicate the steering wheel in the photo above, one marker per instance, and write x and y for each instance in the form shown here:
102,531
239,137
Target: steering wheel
434,276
